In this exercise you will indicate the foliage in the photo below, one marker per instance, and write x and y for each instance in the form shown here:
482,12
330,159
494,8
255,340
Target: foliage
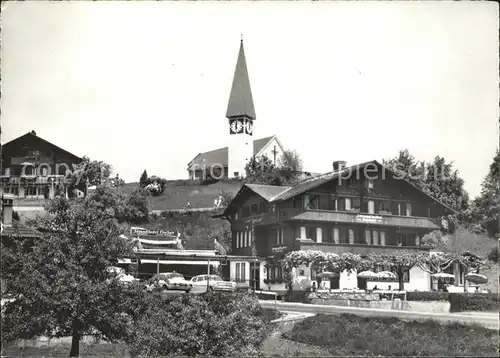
61,285
198,229
354,336
131,208
15,216
485,210
155,185
211,324
493,255
436,262
397,261
460,302
427,296
261,170
143,179
92,172
289,167
437,178
406,167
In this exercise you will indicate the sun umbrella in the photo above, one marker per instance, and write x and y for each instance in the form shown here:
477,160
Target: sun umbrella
386,274
328,274
476,278
442,275
367,274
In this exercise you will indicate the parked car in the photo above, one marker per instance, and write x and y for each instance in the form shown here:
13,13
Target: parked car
121,275
215,283
169,281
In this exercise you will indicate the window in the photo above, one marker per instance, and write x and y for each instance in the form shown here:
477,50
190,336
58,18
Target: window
375,237
352,181
396,208
341,205
319,234
408,209
255,208
344,235
273,208
371,207
7,171
336,235
303,233
311,202
30,191
236,216
368,237
383,207
355,204
238,237
370,183
347,202
236,174
279,236
311,233
240,272
382,238
245,211
352,236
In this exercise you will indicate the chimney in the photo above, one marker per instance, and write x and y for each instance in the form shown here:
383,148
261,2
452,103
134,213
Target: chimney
7,211
33,132
339,165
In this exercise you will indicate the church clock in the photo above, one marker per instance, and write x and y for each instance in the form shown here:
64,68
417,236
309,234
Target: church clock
236,126
249,127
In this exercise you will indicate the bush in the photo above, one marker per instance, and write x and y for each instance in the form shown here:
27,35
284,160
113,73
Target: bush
427,296
350,335
210,324
460,302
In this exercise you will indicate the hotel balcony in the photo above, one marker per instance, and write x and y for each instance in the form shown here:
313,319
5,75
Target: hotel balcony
346,217
360,249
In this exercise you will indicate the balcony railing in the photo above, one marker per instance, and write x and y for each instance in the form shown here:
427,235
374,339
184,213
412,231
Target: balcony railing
362,218
360,249
33,179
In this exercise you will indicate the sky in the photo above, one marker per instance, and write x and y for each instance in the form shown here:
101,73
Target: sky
145,85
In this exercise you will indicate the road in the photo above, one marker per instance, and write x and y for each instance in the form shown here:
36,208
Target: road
483,319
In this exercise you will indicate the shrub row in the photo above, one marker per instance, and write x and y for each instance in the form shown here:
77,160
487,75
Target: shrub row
427,296
460,302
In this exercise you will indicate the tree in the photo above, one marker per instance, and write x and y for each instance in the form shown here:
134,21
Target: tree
62,287
397,261
407,167
92,172
210,324
155,185
289,167
485,210
261,170
143,179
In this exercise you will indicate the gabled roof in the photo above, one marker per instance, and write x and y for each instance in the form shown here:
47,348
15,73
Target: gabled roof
32,137
240,99
273,193
220,156
267,192
316,181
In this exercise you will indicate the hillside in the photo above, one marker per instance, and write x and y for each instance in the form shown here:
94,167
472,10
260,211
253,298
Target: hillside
198,228
179,192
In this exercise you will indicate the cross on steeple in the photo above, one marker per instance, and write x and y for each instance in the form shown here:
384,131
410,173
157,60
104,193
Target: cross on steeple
274,151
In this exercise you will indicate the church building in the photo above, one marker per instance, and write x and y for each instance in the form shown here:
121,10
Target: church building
230,161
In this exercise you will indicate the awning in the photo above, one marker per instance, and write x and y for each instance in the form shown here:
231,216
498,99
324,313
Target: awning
179,262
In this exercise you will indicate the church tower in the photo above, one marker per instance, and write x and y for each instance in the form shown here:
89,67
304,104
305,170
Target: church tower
241,115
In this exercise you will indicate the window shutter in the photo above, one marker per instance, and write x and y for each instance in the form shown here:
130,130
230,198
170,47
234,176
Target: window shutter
382,238
368,238
351,236
375,237
336,235
371,207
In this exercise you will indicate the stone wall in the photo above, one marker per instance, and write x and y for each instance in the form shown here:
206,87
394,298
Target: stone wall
415,306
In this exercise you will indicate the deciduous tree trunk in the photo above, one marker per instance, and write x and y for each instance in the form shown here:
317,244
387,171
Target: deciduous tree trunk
401,281
75,344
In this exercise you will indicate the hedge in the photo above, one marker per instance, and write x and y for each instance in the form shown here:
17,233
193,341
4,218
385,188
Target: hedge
474,302
427,296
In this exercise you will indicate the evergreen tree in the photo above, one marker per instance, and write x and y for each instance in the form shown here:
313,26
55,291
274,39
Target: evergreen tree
143,181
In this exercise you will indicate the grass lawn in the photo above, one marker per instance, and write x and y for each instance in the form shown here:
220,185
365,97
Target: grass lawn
350,335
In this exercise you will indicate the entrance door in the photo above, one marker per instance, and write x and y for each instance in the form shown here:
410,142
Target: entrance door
255,276
362,283
334,283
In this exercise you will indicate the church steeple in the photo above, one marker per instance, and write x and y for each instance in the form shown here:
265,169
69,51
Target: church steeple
240,100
